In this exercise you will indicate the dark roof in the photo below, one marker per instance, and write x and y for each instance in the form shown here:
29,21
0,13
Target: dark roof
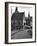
17,15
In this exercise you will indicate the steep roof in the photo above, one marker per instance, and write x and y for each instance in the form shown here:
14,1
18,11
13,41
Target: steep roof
17,15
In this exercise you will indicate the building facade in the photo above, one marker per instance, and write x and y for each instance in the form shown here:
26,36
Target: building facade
17,20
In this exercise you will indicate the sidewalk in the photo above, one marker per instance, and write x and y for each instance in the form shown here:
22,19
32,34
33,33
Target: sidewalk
15,31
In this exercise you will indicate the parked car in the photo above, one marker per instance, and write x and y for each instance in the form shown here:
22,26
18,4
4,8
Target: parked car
27,27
